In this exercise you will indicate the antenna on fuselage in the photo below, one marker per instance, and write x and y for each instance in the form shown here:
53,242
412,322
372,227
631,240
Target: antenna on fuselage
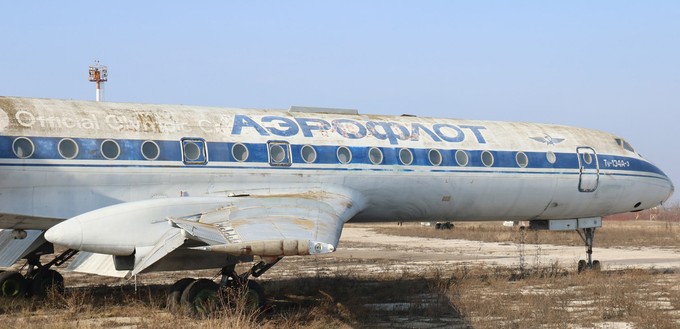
98,74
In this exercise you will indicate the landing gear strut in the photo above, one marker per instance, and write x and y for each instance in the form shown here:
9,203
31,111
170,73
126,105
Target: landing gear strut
588,235
586,229
39,278
200,297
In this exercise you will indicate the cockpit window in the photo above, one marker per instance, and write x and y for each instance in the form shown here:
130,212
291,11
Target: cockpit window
625,145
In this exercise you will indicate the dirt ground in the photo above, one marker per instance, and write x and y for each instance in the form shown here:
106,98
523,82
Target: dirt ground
367,244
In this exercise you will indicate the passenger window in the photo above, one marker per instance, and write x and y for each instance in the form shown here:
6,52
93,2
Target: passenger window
194,151
522,159
239,152
344,155
462,158
110,149
435,157
551,157
23,147
68,149
279,153
150,150
406,156
375,155
487,158
308,153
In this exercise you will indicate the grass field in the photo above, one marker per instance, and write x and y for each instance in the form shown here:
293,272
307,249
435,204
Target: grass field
626,230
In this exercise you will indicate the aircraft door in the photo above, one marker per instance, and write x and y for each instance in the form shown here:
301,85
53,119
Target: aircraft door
589,169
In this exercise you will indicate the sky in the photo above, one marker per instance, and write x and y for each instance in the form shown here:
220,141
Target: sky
607,65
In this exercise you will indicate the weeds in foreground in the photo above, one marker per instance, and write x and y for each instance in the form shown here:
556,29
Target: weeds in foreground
563,300
468,296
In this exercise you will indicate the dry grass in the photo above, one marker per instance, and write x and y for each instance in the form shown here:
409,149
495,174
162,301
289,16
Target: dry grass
343,300
490,298
459,297
306,292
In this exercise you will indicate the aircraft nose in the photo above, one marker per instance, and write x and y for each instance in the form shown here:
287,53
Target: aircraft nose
68,233
670,187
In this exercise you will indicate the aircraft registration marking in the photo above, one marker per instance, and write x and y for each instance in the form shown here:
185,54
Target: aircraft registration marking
616,163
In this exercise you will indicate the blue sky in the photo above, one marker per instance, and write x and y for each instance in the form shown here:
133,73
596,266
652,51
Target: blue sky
609,65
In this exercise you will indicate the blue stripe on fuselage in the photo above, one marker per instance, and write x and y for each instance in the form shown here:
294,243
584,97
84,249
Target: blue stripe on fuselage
218,152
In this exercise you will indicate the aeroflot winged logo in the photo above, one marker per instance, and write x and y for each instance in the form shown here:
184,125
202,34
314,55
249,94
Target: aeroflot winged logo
353,129
548,140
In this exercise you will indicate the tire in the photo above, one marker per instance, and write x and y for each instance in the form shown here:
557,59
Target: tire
255,298
200,298
46,281
582,265
175,295
12,284
596,265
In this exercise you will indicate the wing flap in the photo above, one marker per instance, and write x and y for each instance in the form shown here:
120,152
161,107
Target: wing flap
14,248
172,240
209,234
92,263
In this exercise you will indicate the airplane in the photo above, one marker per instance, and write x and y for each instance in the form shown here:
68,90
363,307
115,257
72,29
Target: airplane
133,188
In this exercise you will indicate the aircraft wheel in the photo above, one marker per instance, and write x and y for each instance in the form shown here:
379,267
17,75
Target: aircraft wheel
12,284
200,298
582,265
596,265
255,299
46,281
175,294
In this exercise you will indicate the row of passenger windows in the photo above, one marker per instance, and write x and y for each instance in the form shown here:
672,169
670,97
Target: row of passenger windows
68,149
279,153
375,155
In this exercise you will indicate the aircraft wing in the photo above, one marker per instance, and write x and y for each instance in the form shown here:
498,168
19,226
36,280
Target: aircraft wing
8,221
252,225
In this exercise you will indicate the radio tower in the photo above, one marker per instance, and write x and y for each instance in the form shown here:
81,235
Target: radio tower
99,74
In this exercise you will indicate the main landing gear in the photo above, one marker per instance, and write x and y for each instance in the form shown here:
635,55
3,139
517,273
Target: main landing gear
39,279
443,226
201,297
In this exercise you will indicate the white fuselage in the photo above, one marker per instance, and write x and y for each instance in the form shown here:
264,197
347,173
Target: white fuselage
59,159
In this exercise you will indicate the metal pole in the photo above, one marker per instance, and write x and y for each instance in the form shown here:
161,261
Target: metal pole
99,92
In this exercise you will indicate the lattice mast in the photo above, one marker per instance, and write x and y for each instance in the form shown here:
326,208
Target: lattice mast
98,74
